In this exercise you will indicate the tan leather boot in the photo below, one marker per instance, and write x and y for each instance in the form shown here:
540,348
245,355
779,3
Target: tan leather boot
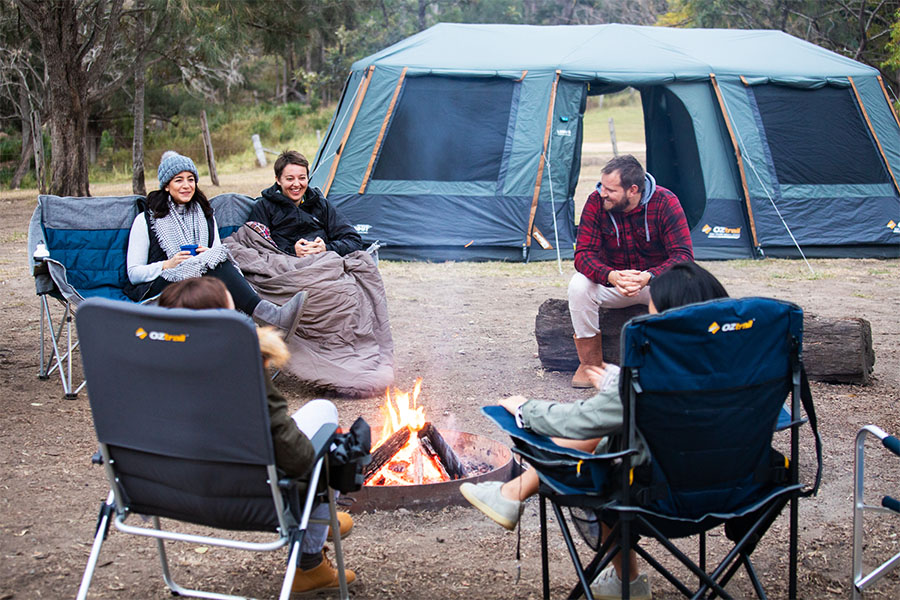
590,352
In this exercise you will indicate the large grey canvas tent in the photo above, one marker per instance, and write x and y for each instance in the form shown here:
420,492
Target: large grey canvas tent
464,141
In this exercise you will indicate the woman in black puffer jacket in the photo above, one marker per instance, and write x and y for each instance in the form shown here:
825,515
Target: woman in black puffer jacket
299,218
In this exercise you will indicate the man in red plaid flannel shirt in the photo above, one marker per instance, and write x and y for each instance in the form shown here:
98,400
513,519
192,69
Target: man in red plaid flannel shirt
631,230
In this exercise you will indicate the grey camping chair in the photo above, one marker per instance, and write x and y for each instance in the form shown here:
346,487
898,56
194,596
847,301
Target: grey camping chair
889,506
76,250
180,410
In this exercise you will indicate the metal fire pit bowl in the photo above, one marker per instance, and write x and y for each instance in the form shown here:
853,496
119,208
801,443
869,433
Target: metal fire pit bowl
470,448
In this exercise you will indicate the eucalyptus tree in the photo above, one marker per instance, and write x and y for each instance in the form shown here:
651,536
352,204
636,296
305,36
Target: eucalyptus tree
78,41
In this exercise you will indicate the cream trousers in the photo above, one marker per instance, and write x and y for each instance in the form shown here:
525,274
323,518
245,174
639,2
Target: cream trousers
586,298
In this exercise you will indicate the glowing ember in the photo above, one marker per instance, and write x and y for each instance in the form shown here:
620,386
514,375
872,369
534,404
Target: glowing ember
411,464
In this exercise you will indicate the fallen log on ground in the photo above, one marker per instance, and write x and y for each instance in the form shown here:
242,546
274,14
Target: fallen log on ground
835,350
838,350
553,330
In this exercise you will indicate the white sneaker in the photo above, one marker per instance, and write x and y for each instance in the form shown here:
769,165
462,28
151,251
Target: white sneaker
487,498
607,586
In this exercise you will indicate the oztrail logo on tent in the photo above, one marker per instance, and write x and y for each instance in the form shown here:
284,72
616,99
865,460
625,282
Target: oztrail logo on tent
160,336
715,328
362,228
721,233
893,226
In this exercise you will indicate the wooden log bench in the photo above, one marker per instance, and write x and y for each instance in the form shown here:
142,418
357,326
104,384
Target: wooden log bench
835,350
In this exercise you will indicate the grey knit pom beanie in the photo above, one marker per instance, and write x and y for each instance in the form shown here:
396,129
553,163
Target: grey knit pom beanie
171,164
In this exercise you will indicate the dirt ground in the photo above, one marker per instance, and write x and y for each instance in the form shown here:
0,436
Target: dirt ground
468,330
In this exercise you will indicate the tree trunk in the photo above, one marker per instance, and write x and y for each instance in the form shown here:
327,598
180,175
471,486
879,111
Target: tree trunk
423,5
69,82
27,141
24,160
66,92
37,140
137,144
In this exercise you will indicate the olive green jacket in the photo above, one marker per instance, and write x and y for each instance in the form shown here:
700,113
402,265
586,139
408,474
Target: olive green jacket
294,453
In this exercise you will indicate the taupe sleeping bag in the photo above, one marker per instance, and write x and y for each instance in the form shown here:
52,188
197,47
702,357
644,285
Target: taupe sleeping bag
343,342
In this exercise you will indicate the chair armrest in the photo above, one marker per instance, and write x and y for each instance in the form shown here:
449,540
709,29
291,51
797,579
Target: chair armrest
321,440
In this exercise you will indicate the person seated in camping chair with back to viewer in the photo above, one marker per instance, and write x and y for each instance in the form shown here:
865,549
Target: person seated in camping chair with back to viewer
290,433
591,426
300,220
631,230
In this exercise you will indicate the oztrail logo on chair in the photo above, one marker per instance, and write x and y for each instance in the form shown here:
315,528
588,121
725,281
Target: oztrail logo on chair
715,328
160,336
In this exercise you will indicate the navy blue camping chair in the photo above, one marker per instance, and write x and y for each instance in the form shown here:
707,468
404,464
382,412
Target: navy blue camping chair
178,399
705,385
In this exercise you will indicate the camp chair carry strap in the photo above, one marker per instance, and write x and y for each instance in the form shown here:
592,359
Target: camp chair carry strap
806,399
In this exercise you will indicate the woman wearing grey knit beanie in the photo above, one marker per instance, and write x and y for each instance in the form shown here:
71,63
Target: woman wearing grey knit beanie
176,238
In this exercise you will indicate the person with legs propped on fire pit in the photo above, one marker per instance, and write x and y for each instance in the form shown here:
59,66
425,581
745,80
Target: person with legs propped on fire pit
589,425
290,433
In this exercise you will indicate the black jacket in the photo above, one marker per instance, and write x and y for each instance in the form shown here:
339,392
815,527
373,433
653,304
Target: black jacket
315,217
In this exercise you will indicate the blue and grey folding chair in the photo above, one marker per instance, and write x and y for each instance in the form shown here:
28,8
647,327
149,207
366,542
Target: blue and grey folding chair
180,410
231,211
889,506
76,250
705,385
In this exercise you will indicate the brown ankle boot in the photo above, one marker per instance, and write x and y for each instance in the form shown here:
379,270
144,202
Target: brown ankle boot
322,577
590,352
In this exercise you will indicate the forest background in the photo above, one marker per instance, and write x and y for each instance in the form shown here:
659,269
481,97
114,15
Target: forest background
103,87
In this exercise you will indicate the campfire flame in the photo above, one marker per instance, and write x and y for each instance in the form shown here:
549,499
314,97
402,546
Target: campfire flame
411,464
404,415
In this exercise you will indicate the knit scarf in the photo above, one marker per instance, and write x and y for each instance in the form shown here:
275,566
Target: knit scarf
186,224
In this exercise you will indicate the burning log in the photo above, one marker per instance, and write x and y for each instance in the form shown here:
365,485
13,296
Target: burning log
434,457
386,451
448,457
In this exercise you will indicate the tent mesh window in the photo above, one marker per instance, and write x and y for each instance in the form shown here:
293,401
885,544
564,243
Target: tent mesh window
447,129
812,135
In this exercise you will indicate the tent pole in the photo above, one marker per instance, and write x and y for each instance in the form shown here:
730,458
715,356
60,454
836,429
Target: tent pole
540,173
737,154
888,100
874,135
337,155
380,139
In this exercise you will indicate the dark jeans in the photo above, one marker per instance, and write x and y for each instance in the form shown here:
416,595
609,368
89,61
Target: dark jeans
245,298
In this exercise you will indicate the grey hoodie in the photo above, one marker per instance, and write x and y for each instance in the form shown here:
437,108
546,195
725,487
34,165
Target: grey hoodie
649,189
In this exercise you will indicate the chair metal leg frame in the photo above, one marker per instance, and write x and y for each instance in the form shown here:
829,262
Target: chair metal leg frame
586,574
338,550
61,362
545,561
604,556
106,512
728,565
860,581
706,578
585,585
294,559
